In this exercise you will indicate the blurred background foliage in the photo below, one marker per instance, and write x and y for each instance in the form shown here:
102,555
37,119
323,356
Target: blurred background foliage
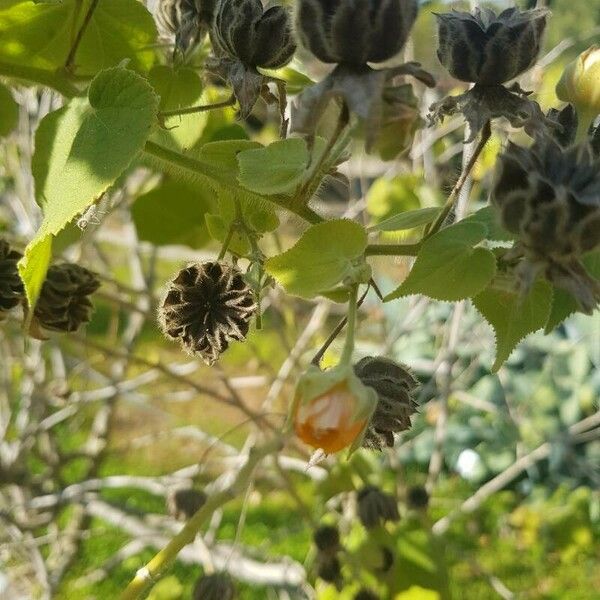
535,537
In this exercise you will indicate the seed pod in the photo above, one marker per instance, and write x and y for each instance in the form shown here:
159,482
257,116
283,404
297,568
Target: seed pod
184,503
376,507
395,386
417,497
11,286
205,307
354,32
241,30
329,568
549,197
64,303
327,539
217,586
580,83
187,20
567,119
490,49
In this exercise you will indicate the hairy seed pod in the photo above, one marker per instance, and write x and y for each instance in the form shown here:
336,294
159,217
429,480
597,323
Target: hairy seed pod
183,503
11,286
395,386
327,539
187,20
217,586
549,197
490,49
355,32
257,38
64,303
375,507
205,307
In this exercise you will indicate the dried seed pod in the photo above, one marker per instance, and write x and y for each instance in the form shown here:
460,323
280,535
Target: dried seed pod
327,539
257,38
205,307
218,586
417,497
354,32
64,303
185,20
11,286
490,49
183,503
549,197
395,386
375,507
329,568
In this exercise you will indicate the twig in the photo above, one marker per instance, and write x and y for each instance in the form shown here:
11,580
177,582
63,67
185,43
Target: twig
165,114
74,47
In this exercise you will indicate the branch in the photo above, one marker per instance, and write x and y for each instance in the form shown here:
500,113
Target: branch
86,21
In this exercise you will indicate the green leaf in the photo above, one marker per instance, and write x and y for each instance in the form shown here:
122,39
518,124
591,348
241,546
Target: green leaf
173,213
407,219
33,267
39,35
563,304
324,256
9,111
511,316
448,267
388,197
218,228
274,169
82,148
487,217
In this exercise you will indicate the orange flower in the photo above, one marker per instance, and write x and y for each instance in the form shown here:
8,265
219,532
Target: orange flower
332,409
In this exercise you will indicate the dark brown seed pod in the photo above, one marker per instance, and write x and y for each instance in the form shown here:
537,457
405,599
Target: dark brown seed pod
11,286
490,49
187,21
329,568
327,539
395,386
218,586
206,306
417,497
184,503
549,197
354,32
375,507
64,303
243,30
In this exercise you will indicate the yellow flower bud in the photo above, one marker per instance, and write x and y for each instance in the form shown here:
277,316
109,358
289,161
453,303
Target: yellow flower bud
580,83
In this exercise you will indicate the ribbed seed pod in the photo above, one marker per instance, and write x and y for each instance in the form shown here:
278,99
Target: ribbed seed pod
217,586
11,286
257,38
187,20
206,306
375,507
490,49
549,197
354,32
395,386
64,303
184,503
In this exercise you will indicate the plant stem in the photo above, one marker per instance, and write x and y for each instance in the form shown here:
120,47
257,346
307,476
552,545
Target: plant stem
393,249
153,569
486,132
86,21
584,121
53,80
196,109
352,310
226,242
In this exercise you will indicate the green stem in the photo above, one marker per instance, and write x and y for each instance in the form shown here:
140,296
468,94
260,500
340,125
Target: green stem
196,109
161,561
486,132
393,249
584,121
74,47
226,242
51,79
350,331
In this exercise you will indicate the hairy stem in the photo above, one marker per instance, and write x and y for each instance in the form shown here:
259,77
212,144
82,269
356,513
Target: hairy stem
53,80
352,311
196,109
486,132
393,249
